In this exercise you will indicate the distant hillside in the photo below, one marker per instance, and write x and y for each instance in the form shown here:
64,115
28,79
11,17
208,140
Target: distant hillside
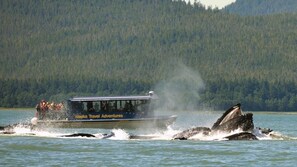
136,40
262,7
57,49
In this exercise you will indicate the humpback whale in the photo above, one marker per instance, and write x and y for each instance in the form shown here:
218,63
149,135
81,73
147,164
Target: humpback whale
101,136
232,119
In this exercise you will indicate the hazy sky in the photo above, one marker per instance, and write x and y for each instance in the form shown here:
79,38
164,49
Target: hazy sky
214,3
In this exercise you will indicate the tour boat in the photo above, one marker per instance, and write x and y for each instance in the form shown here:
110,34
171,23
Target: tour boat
127,112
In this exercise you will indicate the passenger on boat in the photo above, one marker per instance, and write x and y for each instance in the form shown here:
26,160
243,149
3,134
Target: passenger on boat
52,106
38,110
104,106
44,109
129,106
96,107
41,109
90,107
59,106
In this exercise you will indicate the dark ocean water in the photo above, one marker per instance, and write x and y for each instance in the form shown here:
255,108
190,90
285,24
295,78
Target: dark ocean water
47,148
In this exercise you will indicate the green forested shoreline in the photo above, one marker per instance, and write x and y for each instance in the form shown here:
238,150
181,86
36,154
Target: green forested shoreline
255,95
57,49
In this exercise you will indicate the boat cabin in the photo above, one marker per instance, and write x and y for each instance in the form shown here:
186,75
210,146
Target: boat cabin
117,107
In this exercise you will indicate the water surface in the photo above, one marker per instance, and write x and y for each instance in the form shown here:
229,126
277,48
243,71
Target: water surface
46,148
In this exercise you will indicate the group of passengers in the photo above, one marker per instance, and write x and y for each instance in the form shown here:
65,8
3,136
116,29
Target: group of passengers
43,107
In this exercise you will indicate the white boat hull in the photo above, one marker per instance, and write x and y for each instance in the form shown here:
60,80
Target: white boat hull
155,122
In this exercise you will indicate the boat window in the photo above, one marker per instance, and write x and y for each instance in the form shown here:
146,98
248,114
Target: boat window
111,106
77,106
86,106
120,105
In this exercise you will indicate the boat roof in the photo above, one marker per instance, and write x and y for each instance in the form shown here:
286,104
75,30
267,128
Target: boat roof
110,98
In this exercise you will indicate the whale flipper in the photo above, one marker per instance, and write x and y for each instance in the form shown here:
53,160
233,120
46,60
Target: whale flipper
242,136
106,136
184,135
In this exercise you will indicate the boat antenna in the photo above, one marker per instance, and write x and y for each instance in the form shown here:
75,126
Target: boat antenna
151,93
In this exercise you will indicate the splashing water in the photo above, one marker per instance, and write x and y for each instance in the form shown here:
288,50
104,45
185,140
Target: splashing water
22,130
119,134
